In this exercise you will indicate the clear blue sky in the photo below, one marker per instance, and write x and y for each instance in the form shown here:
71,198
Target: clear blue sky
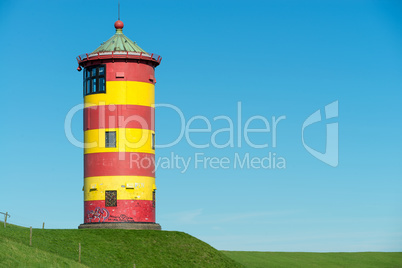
278,58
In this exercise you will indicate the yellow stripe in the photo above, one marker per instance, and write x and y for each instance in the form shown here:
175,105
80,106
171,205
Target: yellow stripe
127,187
127,140
123,92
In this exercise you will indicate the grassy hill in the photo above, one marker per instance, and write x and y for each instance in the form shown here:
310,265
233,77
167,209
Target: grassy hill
311,260
106,248
146,248
13,254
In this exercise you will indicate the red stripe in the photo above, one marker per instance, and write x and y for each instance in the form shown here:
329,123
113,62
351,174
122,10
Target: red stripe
119,116
131,71
126,211
119,164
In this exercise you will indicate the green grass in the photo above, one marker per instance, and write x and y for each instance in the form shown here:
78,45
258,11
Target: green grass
106,248
146,248
13,254
311,260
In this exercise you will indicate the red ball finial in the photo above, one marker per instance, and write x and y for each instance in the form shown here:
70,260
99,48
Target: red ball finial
119,24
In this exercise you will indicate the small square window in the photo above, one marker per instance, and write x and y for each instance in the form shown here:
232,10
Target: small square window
110,198
110,139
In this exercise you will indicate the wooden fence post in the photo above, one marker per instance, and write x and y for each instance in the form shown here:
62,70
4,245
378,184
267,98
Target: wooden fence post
5,220
30,236
79,252
43,226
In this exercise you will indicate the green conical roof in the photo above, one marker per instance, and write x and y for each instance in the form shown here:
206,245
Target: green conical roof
119,42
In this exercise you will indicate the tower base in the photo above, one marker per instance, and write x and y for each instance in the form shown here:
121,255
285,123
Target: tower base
121,225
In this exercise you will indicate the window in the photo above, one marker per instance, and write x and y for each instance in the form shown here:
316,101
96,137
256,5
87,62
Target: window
110,139
153,141
95,80
110,198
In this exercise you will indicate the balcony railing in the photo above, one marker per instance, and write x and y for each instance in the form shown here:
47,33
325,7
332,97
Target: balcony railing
120,54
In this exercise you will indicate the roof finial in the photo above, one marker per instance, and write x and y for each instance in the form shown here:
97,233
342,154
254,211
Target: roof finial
119,25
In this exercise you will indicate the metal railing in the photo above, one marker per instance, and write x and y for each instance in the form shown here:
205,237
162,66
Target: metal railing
121,54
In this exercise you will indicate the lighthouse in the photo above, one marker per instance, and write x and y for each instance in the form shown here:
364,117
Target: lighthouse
119,134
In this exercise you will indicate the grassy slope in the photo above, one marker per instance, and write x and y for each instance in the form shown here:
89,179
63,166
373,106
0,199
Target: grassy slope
302,259
123,248
13,254
109,248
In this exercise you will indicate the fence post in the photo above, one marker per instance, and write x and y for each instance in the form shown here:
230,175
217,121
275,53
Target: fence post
43,226
30,236
79,252
5,220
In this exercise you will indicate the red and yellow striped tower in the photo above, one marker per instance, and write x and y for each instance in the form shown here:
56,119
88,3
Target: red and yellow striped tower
119,134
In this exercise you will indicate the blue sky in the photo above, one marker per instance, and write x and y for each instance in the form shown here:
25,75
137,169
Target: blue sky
275,58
